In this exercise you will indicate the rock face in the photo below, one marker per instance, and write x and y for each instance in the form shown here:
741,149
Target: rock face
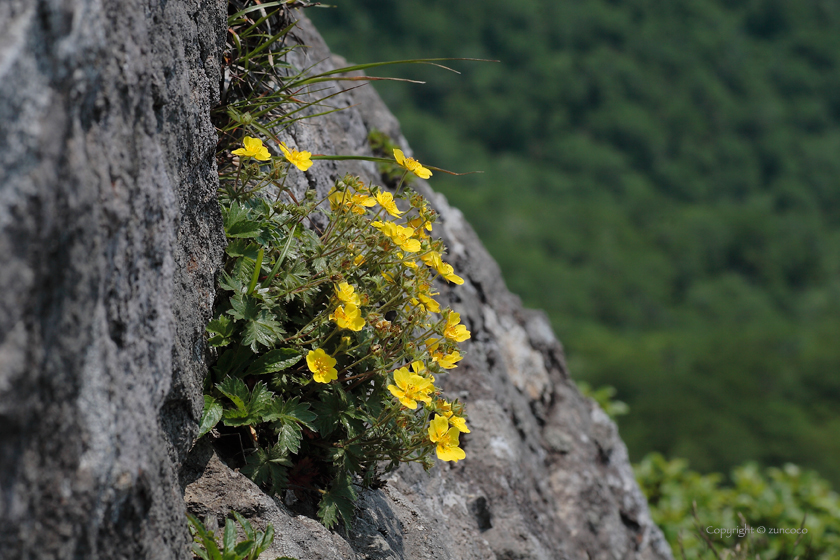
546,475
110,238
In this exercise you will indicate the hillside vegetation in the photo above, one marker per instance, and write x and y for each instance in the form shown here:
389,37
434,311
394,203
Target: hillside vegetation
664,180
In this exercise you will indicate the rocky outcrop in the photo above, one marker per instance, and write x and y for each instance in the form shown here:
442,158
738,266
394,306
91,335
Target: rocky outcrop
546,474
110,238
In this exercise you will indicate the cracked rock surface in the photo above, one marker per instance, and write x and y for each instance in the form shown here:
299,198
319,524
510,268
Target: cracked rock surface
110,236
546,475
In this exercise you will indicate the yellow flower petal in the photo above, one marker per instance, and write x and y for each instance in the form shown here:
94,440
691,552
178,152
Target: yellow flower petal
321,365
298,159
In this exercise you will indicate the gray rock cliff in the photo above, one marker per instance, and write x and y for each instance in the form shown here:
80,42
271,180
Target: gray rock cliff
110,238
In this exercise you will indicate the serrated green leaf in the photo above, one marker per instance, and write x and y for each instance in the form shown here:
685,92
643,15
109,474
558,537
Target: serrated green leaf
262,330
261,399
338,501
244,308
253,404
238,224
236,390
222,328
328,413
293,277
210,416
237,418
328,512
230,283
242,248
288,436
267,467
291,410
274,361
300,412
319,264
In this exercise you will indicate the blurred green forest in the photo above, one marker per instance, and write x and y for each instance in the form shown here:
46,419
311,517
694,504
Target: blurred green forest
663,178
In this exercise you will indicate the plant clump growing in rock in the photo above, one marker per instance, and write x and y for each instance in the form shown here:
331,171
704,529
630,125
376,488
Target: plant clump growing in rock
328,334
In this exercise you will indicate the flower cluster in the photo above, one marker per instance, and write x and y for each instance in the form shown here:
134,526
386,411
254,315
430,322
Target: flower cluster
330,340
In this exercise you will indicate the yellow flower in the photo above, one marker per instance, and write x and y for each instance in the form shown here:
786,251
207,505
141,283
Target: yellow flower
401,236
348,318
459,423
446,439
406,262
347,293
321,365
386,201
359,259
447,361
445,409
419,224
253,148
298,159
355,202
425,296
411,164
448,272
419,367
454,331
432,259
411,388
429,303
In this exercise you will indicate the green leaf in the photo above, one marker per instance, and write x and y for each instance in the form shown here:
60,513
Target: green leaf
267,466
229,540
338,501
274,361
261,399
210,416
319,264
223,329
253,404
328,413
231,283
246,526
242,248
244,308
261,330
200,551
291,410
257,269
288,436
237,223
233,361
236,390
267,538
242,549
293,277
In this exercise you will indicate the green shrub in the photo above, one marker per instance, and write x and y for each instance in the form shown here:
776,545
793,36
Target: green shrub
789,513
